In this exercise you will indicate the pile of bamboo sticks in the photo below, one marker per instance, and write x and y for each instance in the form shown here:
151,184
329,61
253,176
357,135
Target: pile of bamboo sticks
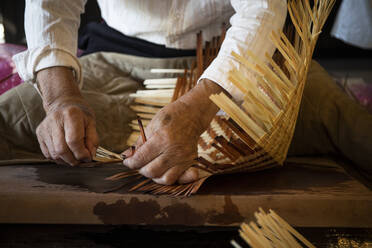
269,232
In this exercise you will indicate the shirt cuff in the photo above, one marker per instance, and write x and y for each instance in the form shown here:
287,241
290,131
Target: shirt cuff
29,62
218,71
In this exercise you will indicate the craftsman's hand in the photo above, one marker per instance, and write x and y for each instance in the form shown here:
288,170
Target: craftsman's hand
172,137
68,132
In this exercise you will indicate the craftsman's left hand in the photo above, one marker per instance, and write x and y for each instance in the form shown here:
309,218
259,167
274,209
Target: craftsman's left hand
172,137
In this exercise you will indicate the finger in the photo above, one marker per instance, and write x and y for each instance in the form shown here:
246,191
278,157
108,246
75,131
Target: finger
48,141
171,176
74,134
91,138
129,152
157,167
60,162
43,148
144,154
60,146
40,138
190,175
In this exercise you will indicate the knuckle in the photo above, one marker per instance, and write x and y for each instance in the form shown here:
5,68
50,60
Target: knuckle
150,172
130,164
169,179
139,158
71,111
72,140
39,130
60,149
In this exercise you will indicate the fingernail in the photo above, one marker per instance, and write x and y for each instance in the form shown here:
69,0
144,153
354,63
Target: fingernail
128,153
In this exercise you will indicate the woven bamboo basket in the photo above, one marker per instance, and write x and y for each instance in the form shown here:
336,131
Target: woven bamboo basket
256,134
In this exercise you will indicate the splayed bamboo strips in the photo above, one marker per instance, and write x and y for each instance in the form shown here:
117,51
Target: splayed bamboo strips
140,184
280,73
263,70
249,126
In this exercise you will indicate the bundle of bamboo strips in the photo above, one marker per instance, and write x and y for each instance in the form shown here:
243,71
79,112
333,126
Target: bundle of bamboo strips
256,134
269,232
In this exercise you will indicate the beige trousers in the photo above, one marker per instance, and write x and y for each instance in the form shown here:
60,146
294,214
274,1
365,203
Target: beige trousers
329,123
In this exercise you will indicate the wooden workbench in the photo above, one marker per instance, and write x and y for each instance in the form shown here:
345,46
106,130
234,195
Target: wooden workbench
320,195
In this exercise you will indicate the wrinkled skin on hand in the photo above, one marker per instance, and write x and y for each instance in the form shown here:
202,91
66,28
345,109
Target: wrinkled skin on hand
172,137
68,132
170,149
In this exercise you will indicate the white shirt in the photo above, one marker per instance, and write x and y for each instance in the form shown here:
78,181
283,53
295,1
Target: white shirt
51,30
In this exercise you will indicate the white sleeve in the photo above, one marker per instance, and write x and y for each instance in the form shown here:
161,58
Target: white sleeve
250,29
51,31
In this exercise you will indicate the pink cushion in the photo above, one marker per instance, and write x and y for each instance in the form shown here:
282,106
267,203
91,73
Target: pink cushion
9,77
361,91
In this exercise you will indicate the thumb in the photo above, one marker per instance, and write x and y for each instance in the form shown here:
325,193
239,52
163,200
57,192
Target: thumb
130,151
91,138
190,175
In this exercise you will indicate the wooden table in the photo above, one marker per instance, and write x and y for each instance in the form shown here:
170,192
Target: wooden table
318,195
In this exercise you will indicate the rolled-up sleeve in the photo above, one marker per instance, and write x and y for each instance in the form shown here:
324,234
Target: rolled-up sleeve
51,31
251,26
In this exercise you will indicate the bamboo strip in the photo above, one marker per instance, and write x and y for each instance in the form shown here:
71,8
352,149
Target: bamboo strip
160,81
159,70
145,109
159,102
249,126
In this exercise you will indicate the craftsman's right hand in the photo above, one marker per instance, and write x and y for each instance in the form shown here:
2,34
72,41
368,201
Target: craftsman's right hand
68,132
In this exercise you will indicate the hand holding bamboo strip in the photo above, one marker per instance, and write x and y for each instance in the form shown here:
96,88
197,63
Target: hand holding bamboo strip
256,134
